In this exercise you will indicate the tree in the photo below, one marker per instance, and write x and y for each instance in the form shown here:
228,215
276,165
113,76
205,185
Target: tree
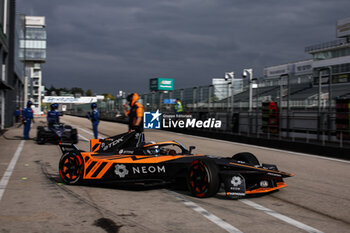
77,90
89,92
57,91
108,96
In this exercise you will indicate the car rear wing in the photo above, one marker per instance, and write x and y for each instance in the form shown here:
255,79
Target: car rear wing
67,147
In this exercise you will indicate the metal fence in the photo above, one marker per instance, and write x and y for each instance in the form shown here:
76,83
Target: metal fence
307,120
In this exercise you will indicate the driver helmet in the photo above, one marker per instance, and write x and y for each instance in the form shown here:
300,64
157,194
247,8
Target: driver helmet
93,105
54,106
156,150
132,98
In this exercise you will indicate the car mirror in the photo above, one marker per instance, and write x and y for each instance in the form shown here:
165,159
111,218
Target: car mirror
192,148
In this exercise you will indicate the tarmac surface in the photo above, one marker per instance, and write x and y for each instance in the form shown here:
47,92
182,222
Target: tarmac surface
34,199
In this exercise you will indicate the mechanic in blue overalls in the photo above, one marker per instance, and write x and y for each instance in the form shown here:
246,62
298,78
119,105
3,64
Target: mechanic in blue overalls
94,117
27,115
53,116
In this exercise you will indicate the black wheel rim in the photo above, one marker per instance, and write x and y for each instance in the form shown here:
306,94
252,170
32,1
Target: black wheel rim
199,178
71,168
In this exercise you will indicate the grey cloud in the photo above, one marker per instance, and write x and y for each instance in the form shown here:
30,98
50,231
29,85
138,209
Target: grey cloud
109,45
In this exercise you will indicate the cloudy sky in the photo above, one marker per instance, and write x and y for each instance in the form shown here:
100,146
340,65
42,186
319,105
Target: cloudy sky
111,45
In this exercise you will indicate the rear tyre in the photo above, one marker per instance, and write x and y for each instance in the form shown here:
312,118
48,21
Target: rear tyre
203,178
74,136
247,158
40,139
71,168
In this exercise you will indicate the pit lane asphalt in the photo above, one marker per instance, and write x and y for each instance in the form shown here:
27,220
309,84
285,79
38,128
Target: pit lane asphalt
34,200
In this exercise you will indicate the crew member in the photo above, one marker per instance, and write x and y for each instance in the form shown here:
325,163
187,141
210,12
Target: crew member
178,107
17,114
135,113
53,116
27,115
94,116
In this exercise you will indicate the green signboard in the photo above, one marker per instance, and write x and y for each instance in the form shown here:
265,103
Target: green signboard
161,84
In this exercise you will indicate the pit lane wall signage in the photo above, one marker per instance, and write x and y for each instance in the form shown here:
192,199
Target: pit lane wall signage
70,99
161,84
343,27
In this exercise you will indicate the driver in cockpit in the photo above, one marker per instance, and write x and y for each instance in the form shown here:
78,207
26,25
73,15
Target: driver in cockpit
53,116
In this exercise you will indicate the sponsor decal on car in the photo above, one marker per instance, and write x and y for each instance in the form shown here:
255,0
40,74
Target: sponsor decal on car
235,185
236,181
106,146
148,169
274,174
120,170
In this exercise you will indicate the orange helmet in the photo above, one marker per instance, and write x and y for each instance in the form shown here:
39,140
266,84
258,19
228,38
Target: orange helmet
132,98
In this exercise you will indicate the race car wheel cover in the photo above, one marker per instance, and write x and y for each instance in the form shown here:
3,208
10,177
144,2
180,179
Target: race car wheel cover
203,178
246,157
71,168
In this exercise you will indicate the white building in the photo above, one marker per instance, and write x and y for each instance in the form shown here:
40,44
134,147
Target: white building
33,48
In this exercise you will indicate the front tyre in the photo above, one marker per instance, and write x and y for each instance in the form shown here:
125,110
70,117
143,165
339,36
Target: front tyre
203,178
71,168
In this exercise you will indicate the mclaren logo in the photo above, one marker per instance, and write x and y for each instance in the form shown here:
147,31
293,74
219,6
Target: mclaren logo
121,170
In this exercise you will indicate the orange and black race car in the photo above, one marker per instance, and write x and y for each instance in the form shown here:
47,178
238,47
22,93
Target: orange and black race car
126,158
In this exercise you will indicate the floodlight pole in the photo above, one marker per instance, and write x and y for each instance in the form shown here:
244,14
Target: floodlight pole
231,76
249,72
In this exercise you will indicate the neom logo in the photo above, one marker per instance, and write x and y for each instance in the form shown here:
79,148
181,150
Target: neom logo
148,169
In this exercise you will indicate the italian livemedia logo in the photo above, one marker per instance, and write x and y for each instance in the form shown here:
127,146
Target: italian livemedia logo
152,120
157,120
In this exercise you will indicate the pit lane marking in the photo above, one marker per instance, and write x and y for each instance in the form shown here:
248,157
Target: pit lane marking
7,175
86,131
84,138
281,217
213,218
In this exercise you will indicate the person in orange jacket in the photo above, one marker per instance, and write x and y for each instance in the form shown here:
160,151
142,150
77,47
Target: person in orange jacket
135,113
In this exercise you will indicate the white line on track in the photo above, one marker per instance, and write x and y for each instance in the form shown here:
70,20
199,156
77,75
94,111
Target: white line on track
265,148
86,131
218,221
281,217
7,175
84,138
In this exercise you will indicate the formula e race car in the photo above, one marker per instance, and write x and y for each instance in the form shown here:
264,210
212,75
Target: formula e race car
57,133
126,158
